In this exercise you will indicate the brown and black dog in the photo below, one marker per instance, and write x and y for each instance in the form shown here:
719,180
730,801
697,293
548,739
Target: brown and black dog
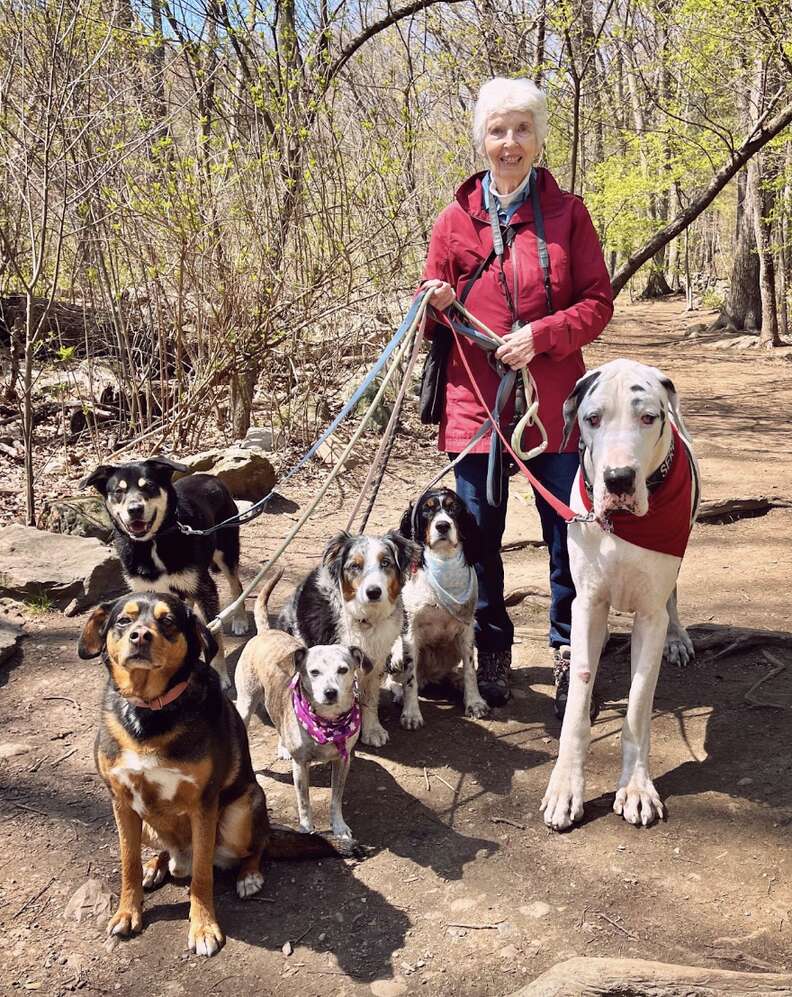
174,754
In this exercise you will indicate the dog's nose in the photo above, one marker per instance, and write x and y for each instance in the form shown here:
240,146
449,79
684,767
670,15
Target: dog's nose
373,592
135,511
331,695
140,636
620,480
443,527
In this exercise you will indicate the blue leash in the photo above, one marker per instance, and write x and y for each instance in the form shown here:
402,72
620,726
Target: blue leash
258,507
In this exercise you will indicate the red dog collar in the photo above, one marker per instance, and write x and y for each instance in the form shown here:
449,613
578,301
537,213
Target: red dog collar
158,702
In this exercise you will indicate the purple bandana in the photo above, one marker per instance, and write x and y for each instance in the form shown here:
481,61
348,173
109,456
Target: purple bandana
321,729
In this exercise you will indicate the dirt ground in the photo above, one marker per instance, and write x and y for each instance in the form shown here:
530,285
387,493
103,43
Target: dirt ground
464,891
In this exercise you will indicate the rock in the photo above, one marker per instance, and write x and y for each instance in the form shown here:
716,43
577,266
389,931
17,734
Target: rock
536,910
73,572
80,516
9,749
246,473
287,949
89,900
389,988
464,903
257,439
10,636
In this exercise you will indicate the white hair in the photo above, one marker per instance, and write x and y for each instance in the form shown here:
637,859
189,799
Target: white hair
500,95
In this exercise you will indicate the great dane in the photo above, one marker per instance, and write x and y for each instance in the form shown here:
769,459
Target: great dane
639,483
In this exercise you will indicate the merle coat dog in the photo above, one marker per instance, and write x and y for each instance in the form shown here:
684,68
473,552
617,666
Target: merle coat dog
146,506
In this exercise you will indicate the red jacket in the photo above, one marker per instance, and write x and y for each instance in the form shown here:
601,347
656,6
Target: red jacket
581,293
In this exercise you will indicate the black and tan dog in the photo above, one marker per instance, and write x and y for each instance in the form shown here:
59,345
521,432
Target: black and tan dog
174,754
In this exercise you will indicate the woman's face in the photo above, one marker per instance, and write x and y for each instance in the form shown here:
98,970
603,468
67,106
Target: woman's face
511,147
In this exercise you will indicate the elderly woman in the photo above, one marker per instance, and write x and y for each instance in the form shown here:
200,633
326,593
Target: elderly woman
546,306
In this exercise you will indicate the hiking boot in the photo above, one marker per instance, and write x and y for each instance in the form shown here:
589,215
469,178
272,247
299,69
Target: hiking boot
561,659
493,676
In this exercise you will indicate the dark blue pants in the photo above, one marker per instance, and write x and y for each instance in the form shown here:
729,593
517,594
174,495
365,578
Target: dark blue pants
494,630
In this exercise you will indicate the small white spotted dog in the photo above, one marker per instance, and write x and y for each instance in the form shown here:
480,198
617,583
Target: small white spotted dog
440,602
355,598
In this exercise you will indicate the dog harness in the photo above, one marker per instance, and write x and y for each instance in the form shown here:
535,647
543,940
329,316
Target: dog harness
667,524
322,730
453,582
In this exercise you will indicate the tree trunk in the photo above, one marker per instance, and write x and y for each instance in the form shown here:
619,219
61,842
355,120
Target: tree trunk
742,308
768,334
539,48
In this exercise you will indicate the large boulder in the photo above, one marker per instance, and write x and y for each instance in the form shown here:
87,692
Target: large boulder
79,516
246,473
69,573
10,636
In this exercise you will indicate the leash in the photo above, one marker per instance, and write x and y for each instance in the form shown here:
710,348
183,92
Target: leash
409,331
388,438
413,317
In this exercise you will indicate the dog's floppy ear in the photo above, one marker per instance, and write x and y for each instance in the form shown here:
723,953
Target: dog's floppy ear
572,404
362,660
405,526
163,468
92,639
99,478
333,551
407,552
207,641
470,534
300,654
673,402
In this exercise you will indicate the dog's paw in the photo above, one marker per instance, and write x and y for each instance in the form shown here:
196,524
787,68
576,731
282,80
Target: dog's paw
342,831
639,802
125,922
180,865
155,871
411,719
375,736
283,754
249,884
396,689
225,682
307,827
678,649
239,623
205,937
563,800
477,708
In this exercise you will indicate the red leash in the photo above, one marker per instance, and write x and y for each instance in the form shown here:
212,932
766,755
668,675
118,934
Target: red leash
563,510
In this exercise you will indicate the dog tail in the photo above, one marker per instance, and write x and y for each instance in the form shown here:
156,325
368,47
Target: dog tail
260,607
295,846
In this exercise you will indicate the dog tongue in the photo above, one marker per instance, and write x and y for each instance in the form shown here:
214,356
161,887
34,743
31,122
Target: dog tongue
138,526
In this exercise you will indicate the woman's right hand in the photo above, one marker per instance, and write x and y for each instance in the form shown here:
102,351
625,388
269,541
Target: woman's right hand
442,295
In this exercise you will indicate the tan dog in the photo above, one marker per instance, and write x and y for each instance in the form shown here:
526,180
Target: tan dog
311,697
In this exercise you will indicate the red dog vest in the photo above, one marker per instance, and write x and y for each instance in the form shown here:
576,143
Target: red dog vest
666,526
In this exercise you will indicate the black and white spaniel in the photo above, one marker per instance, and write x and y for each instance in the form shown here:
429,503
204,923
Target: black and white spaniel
440,602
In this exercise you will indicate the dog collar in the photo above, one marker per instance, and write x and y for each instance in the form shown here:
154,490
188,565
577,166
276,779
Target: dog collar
653,482
322,730
158,702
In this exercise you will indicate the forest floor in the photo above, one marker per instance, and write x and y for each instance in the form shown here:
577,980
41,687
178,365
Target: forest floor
464,891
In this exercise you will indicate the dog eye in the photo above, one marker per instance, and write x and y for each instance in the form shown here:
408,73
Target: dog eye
314,673
648,419
353,569
123,621
343,670
386,562
593,419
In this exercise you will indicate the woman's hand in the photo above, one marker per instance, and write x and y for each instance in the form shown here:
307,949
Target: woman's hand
442,295
518,348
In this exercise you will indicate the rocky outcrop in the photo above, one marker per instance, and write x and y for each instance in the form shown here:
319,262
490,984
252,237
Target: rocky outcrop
247,473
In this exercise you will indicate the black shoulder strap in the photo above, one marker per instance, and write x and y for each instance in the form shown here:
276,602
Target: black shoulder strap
509,233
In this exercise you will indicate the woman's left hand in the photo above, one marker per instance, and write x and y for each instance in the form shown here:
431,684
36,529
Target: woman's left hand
518,348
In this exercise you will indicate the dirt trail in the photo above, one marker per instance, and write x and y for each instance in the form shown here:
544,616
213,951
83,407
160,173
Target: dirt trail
465,891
